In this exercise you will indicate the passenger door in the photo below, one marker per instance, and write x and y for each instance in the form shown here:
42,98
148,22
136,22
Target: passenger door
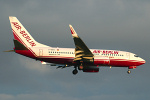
40,52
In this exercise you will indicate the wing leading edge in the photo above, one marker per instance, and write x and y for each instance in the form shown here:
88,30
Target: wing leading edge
82,52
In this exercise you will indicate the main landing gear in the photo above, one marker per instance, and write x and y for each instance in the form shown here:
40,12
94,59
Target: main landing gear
75,71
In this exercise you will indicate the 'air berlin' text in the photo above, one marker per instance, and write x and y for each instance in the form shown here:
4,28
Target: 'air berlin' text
24,34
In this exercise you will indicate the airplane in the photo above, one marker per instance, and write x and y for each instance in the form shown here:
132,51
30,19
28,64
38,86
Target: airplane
81,57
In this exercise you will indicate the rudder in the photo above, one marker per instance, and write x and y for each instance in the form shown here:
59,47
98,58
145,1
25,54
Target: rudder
22,35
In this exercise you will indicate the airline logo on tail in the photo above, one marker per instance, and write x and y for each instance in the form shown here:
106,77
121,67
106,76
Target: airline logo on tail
73,32
24,34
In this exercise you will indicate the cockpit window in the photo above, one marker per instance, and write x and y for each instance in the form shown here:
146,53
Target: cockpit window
136,56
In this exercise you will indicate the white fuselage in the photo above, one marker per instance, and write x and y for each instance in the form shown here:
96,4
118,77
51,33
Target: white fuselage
101,57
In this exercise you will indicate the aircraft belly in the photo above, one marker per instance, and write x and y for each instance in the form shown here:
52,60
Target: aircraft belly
58,60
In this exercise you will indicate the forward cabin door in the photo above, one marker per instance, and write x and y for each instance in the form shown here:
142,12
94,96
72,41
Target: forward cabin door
128,55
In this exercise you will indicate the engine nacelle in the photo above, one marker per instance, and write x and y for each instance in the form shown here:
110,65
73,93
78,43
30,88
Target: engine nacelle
101,60
91,70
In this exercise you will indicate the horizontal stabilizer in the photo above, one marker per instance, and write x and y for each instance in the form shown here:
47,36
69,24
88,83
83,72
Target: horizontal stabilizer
9,51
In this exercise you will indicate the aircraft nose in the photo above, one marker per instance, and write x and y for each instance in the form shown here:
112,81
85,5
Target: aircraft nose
142,61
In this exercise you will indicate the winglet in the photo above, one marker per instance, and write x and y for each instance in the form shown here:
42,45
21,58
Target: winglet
9,51
73,32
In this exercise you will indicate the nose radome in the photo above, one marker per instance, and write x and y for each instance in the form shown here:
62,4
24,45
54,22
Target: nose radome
142,61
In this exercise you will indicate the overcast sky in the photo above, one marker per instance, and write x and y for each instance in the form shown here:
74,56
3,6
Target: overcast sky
102,24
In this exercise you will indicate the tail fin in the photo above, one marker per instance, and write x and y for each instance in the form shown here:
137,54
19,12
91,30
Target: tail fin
22,35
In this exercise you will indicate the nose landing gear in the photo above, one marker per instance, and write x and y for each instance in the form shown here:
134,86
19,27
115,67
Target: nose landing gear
130,67
128,71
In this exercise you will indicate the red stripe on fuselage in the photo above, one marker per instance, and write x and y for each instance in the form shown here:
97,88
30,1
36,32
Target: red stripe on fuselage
58,60
26,53
124,62
114,62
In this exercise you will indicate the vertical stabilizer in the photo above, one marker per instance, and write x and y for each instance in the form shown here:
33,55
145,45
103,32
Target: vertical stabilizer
22,35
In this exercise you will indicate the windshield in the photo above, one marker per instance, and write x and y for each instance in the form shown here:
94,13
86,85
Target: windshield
136,56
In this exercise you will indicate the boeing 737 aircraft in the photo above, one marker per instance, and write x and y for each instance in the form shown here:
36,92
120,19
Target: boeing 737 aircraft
81,57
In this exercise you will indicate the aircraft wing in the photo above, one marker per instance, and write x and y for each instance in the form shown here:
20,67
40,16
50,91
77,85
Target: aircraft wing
82,52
